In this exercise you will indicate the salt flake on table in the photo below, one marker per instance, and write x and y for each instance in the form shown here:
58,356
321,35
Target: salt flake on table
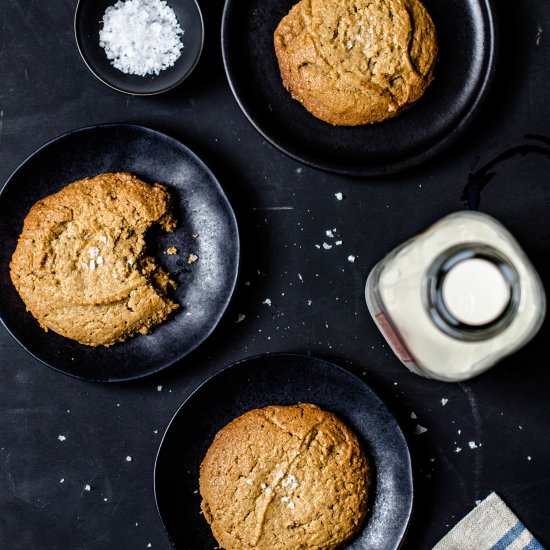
61,437
472,444
420,429
267,302
351,258
444,401
339,196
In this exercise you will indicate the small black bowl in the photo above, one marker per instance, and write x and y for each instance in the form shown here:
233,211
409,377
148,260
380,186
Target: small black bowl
88,23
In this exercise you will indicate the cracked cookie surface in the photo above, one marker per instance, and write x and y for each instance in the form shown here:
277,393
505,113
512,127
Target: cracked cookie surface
80,264
354,62
285,478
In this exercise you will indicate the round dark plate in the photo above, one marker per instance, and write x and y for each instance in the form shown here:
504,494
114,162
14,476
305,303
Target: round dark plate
88,22
204,288
282,379
466,35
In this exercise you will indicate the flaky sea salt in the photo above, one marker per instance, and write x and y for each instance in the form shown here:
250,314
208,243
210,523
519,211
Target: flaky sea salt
141,37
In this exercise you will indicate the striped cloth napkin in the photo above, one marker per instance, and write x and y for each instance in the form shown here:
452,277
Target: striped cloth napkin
489,526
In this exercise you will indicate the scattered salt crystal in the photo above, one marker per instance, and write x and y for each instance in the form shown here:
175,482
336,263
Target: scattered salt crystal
267,302
338,243
87,487
458,449
284,499
309,302
130,261
420,429
249,481
444,401
300,277
529,458
351,258
339,196
317,246
327,246
129,458
99,260
103,239
478,502
413,416
459,432
472,444
329,233
105,499
241,317
141,37
263,486
92,265
61,437
93,252
149,545
291,505
62,480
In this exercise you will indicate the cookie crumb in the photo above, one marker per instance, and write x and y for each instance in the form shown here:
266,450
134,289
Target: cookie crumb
192,259
171,250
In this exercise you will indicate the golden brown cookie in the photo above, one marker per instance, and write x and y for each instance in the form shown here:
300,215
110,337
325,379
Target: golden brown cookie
80,264
285,478
352,62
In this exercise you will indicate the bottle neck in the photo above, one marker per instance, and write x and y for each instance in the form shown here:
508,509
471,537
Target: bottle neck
471,292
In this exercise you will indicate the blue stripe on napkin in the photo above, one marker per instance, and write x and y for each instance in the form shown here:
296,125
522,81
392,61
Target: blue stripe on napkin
509,537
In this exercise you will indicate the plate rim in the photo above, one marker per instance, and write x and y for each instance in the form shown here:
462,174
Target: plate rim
78,38
395,166
289,355
232,216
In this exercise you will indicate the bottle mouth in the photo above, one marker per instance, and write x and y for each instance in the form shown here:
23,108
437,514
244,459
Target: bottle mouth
472,292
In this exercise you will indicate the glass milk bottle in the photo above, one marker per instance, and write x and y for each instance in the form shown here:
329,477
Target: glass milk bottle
456,299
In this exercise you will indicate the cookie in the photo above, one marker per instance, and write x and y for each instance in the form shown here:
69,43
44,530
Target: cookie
285,478
353,62
81,266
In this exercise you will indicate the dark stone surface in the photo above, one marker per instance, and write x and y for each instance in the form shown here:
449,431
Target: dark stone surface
46,90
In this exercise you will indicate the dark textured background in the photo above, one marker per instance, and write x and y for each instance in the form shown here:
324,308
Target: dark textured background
45,90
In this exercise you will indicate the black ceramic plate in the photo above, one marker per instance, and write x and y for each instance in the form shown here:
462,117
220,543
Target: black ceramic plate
204,288
282,379
466,37
88,22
